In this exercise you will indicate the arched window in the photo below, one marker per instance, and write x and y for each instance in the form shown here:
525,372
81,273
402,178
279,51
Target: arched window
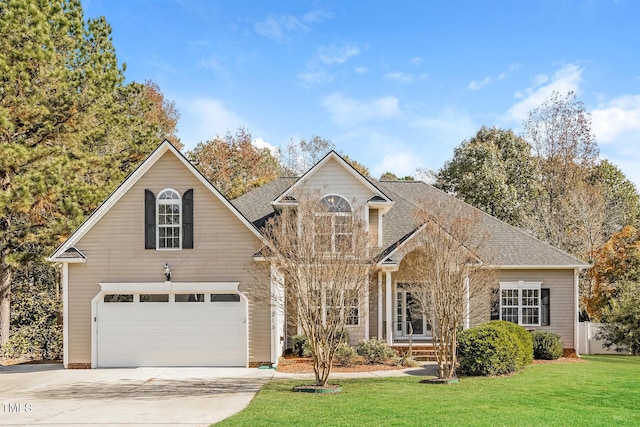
169,211
336,233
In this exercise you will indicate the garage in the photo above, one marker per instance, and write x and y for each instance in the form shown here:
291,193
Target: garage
185,325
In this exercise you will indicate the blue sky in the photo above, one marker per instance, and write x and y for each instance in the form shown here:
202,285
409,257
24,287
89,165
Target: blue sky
395,85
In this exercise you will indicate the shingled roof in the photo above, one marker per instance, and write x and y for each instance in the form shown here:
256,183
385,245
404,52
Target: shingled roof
505,246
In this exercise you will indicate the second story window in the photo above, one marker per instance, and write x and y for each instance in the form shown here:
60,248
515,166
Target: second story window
169,220
334,232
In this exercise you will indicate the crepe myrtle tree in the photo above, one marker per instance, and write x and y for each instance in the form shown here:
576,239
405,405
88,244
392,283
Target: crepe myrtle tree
446,278
318,245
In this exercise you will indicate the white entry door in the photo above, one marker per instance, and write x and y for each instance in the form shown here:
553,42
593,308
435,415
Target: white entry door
171,329
409,317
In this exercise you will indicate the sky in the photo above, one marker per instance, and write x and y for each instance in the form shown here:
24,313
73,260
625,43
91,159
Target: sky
395,85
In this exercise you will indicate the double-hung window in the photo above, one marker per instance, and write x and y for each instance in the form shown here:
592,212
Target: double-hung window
169,220
334,225
521,302
333,304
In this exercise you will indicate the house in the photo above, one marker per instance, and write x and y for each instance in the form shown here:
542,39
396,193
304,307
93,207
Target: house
163,273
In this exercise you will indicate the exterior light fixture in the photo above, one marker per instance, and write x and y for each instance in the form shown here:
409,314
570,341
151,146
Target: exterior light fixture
167,272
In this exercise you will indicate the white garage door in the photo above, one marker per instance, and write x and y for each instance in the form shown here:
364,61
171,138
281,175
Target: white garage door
168,329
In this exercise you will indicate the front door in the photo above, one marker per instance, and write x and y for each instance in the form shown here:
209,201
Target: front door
409,317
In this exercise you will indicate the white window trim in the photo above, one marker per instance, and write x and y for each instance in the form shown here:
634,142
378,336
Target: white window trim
177,201
344,308
519,286
333,216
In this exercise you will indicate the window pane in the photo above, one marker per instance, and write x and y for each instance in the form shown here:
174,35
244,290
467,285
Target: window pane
530,316
189,297
154,298
225,298
510,314
118,298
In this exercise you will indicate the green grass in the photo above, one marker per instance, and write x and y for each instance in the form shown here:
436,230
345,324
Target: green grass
604,391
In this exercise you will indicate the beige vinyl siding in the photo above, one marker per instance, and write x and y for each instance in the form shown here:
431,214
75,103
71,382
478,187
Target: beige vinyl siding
373,227
560,283
223,249
332,178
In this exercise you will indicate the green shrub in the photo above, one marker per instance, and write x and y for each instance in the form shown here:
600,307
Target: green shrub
299,344
346,355
546,345
375,351
343,336
525,342
488,349
405,360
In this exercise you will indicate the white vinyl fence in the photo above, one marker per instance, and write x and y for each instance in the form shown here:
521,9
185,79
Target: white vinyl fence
588,344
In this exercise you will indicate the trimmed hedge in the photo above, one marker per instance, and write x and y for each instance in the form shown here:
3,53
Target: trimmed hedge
546,345
525,342
488,349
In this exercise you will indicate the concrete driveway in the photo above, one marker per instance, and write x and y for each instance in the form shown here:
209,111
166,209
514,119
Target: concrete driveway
51,395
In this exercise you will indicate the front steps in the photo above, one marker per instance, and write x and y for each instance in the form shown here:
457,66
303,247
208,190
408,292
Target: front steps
420,352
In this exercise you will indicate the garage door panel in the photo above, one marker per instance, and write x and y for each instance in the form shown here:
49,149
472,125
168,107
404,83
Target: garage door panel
171,334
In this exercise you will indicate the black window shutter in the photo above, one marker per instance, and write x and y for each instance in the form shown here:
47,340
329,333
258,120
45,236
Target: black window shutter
149,220
187,219
545,296
495,304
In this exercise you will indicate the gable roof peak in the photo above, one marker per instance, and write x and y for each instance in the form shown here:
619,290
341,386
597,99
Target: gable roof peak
332,154
162,148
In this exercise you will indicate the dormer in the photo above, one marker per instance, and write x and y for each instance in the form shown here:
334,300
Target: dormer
332,175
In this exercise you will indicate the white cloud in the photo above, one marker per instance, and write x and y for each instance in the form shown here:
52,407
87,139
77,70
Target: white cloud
337,54
313,77
211,63
416,60
316,16
477,85
278,27
564,80
281,27
405,78
616,119
317,69
349,111
401,163
361,70
204,118
445,131
261,143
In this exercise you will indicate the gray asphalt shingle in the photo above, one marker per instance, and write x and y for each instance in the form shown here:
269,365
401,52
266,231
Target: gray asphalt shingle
504,244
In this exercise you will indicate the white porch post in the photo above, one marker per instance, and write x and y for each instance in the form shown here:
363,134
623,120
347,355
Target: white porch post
366,311
576,308
467,308
65,314
379,305
389,309
277,315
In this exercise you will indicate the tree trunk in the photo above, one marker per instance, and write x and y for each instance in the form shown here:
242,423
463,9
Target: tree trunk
6,275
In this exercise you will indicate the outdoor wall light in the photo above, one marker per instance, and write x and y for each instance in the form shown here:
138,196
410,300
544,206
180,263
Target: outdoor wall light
167,271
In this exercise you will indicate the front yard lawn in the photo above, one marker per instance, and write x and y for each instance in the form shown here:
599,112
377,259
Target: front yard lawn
603,391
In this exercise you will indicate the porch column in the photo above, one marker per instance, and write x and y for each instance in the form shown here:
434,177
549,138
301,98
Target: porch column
389,309
576,310
467,308
379,305
366,310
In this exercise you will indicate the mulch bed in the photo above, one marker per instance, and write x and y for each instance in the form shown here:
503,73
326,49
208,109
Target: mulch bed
302,365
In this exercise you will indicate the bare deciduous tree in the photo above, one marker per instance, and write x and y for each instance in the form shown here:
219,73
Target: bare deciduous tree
447,279
318,245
